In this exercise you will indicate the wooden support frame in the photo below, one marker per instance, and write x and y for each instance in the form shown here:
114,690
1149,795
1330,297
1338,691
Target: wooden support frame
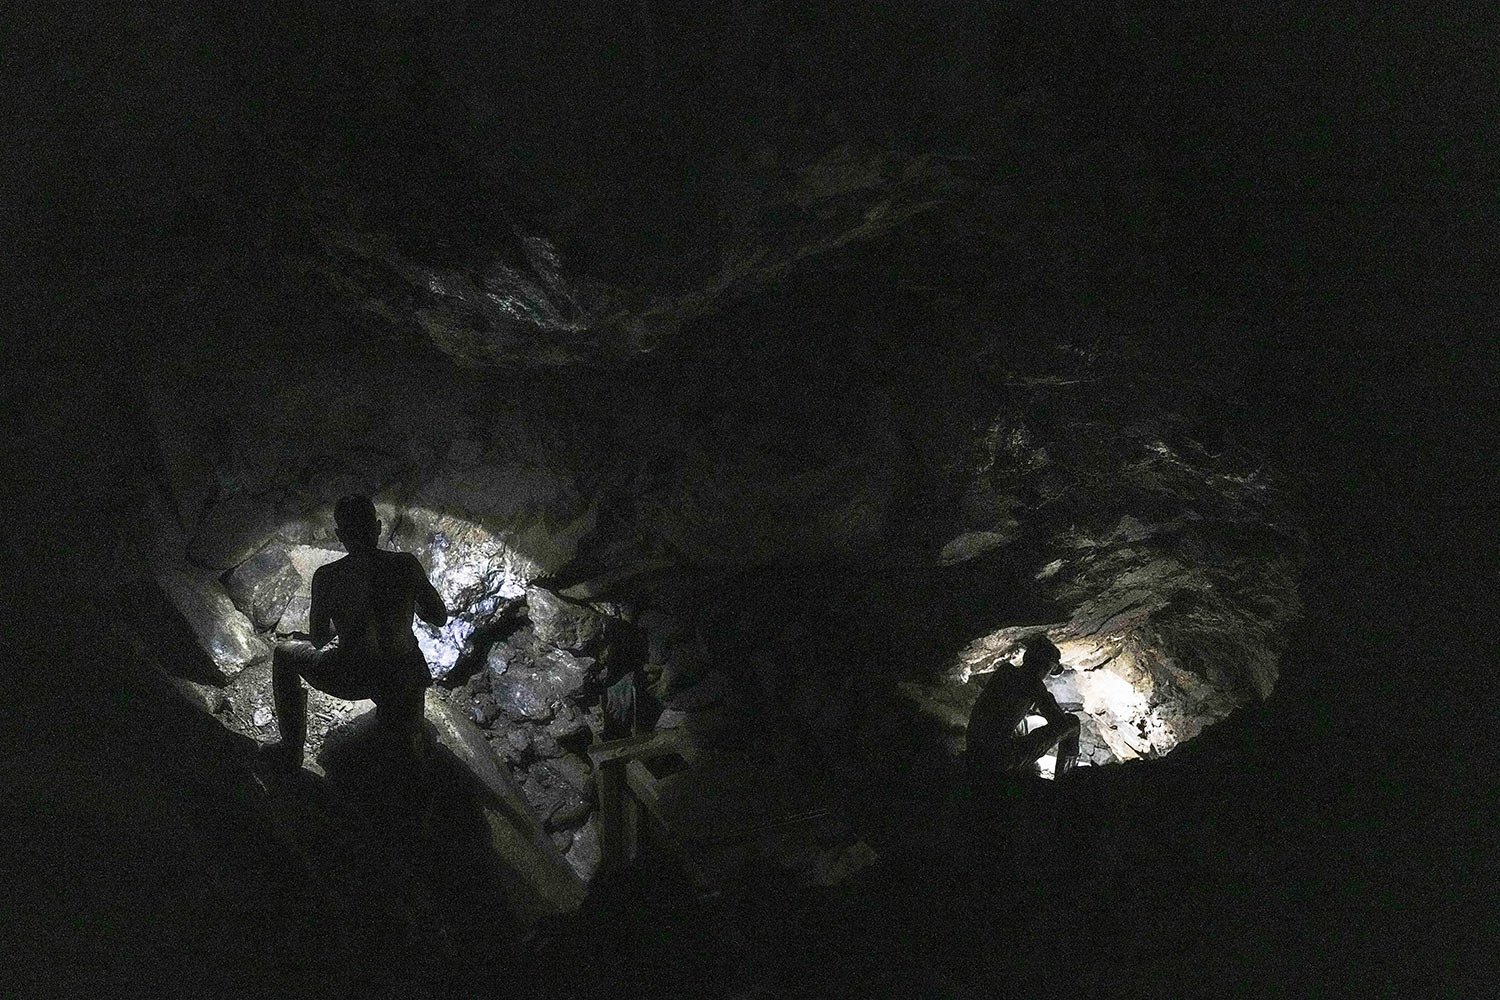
620,807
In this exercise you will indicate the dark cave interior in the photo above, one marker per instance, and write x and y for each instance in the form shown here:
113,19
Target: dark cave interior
787,367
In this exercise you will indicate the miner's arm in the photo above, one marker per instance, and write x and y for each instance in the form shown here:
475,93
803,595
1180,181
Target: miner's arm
319,621
430,606
1048,708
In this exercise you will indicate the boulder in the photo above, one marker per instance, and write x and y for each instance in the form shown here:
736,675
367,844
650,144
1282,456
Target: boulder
518,740
477,684
564,673
568,724
571,810
584,854
533,688
544,745
513,650
262,585
307,559
520,697
576,771
227,636
557,621
502,748
483,710
553,798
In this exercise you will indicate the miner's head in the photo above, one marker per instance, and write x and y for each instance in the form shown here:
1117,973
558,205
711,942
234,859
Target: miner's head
355,523
1041,657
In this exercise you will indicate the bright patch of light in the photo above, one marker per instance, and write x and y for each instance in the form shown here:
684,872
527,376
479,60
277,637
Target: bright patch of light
442,646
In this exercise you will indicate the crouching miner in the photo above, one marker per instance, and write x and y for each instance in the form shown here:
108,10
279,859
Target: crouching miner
998,741
365,601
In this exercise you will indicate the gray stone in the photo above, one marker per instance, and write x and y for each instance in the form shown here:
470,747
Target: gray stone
521,697
571,810
584,855
502,746
262,585
515,651
544,745
562,623
553,798
295,616
227,636
569,723
305,560
483,709
519,738
576,771
536,691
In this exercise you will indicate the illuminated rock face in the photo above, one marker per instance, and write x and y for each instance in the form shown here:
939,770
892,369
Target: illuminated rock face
263,585
1169,625
224,634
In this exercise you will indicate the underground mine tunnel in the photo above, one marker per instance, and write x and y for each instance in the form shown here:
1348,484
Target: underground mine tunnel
724,609
716,611
754,386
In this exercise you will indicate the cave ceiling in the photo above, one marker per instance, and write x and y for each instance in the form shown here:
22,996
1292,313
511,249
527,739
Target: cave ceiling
549,188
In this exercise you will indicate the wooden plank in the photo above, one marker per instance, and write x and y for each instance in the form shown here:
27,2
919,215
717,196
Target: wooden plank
642,784
636,747
609,778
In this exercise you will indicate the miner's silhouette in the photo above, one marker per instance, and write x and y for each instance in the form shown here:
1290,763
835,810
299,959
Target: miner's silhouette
366,600
998,742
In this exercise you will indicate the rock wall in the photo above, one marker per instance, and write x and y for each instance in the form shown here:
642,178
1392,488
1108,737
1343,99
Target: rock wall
564,516
1167,625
